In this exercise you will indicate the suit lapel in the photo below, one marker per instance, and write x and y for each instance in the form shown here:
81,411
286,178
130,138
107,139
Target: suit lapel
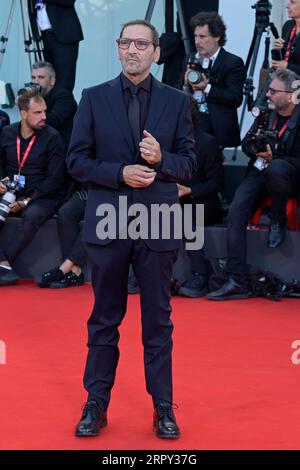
219,61
157,105
114,97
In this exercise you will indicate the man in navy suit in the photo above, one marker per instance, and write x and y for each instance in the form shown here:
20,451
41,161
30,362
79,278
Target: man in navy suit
106,153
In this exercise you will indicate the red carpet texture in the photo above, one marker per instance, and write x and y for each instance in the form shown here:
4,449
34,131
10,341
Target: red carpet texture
235,383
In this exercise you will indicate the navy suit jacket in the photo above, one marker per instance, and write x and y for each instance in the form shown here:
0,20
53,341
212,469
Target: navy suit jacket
101,144
228,75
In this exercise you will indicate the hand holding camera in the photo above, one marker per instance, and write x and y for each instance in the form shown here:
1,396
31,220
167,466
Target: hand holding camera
267,154
278,43
3,187
198,72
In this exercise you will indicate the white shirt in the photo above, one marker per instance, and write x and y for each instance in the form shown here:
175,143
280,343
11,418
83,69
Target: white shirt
213,59
43,18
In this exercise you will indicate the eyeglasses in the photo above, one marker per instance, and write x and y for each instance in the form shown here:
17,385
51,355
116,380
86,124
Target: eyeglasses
140,44
273,91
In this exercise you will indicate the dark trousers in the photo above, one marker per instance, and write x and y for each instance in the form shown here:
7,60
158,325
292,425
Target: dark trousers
33,216
204,123
212,215
63,57
70,216
110,267
280,180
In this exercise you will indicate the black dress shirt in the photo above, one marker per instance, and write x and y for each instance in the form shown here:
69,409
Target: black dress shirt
143,94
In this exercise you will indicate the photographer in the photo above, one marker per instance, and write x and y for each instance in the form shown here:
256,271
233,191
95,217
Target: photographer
286,50
61,105
31,153
273,171
220,88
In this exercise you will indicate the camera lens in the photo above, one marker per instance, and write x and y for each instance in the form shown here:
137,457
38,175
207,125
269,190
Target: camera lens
194,77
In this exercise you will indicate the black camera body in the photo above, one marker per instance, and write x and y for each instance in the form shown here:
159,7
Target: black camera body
256,142
8,198
276,54
198,66
30,87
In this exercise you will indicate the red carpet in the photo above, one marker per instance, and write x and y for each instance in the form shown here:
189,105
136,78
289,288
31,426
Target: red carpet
234,380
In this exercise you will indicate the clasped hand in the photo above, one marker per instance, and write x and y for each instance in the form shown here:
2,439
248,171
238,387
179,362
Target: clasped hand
140,176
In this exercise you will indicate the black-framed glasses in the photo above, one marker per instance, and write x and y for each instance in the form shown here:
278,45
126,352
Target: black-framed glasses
140,44
273,91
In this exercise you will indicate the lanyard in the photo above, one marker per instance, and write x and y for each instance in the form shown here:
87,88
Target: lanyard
288,48
25,156
283,129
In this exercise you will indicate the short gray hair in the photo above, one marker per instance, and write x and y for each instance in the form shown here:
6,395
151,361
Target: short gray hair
286,76
45,65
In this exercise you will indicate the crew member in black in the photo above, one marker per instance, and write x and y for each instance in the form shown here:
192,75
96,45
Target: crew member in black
31,152
60,29
203,188
61,104
289,44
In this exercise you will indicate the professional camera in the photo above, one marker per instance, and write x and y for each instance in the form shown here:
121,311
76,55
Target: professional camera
255,142
263,10
30,87
199,66
8,198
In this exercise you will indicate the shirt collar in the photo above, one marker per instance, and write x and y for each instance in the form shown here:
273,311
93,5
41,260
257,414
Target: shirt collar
145,84
213,57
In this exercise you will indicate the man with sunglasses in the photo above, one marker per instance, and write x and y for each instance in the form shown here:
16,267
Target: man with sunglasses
132,138
273,172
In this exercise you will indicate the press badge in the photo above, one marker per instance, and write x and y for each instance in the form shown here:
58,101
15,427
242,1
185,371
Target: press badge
20,179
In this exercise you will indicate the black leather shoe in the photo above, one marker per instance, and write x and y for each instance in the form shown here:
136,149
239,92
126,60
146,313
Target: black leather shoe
229,290
70,280
276,234
196,287
50,276
164,422
92,419
8,277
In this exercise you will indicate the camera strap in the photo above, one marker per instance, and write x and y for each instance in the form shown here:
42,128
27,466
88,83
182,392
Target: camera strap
289,46
26,153
283,129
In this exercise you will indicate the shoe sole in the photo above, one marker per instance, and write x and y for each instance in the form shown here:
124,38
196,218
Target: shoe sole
187,293
64,286
231,297
91,434
8,283
164,436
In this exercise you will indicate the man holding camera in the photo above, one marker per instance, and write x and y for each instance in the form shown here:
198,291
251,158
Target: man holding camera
273,171
219,87
31,154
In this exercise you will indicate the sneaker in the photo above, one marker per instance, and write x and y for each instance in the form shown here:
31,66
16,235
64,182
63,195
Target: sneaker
70,280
